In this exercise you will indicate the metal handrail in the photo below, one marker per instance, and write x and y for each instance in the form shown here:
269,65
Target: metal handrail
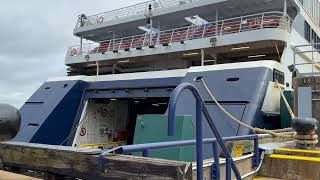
273,19
307,49
200,109
136,9
199,141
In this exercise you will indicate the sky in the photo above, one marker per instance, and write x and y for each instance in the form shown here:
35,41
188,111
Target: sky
34,37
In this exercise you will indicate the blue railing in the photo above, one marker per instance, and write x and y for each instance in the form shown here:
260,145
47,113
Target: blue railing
199,141
200,109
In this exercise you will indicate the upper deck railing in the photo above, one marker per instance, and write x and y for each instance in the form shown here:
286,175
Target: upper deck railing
137,9
212,29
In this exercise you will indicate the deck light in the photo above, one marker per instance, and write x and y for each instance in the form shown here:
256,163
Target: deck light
191,54
240,48
255,56
124,61
113,99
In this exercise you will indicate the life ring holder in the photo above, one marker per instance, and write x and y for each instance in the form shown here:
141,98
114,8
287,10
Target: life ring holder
100,19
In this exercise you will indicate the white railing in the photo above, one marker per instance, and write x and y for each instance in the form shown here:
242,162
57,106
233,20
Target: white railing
212,29
137,9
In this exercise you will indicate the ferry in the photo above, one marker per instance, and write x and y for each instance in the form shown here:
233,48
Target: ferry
177,89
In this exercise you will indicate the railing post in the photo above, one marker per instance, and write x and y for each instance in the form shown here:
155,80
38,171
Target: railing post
215,168
204,30
262,21
240,28
108,46
187,35
145,153
221,32
256,158
132,42
228,169
88,50
171,38
120,44
199,140
200,106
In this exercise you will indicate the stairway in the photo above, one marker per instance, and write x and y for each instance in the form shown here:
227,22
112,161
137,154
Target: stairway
291,164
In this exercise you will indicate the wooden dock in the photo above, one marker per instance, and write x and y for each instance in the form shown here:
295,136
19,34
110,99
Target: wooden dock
63,161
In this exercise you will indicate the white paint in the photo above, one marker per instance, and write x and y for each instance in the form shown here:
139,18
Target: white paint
271,103
104,122
271,64
127,76
204,43
253,64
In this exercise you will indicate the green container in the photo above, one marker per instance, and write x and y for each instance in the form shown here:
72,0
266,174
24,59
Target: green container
154,128
284,113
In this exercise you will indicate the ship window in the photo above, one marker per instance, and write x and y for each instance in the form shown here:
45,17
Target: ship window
233,79
278,76
33,124
310,35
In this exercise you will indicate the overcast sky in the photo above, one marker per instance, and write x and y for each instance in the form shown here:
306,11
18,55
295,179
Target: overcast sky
34,36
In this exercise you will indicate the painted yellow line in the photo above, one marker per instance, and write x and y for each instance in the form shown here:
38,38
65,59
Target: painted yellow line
299,150
103,144
288,157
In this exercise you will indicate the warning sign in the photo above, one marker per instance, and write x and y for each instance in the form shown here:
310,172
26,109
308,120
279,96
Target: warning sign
83,131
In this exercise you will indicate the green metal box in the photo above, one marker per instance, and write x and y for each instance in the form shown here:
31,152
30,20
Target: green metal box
284,113
154,128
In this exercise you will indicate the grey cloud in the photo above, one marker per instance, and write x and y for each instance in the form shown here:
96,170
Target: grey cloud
34,38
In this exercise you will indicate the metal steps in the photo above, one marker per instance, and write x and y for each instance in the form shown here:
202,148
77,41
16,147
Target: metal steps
290,163
265,178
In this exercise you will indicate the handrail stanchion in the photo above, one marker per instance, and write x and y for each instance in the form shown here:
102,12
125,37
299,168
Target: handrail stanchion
171,121
216,165
256,158
145,153
202,108
221,142
228,168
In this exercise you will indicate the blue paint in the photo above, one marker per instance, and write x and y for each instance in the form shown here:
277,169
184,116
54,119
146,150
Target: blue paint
52,108
243,98
199,142
57,109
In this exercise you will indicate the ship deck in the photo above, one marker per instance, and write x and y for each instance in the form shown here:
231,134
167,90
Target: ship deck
170,14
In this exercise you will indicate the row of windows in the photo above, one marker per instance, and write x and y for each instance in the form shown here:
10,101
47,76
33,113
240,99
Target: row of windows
311,35
313,9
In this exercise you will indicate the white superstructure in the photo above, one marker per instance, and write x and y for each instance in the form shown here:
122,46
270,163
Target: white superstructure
177,34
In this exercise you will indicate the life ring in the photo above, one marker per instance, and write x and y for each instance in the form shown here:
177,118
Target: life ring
256,24
100,19
83,131
73,52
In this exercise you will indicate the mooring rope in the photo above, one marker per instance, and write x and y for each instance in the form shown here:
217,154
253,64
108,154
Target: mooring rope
275,133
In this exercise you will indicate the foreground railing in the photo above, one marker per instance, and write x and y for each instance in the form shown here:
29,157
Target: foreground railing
199,141
128,11
212,29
